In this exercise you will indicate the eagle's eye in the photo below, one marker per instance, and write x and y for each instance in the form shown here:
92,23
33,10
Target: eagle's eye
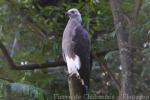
72,12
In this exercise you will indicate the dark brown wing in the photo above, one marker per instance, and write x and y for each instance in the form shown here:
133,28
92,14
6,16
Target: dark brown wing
82,48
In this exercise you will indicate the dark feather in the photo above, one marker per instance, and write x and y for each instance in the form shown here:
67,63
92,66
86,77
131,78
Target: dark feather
82,48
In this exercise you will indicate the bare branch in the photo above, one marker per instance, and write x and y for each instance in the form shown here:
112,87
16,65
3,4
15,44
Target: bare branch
39,66
7,56
136,9
28,66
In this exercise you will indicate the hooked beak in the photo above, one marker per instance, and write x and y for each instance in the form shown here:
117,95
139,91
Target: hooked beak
67,13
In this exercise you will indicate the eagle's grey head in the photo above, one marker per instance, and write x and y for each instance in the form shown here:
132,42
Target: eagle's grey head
74,14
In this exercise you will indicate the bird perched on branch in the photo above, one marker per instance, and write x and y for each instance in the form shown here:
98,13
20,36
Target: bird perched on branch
76,47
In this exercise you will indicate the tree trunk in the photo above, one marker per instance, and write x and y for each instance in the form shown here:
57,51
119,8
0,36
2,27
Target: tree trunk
75,87
125,53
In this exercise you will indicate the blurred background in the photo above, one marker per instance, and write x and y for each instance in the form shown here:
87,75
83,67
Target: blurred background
31,30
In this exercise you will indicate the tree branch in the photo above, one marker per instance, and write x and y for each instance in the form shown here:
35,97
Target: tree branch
28,66
6,54
133,18
103,64
136,9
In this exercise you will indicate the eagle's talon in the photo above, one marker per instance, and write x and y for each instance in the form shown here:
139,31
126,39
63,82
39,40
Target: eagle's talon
71,74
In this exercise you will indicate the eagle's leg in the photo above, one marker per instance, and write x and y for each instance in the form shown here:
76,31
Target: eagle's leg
73,73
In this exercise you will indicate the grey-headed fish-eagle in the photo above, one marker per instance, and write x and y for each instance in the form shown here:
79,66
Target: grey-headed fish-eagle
76,47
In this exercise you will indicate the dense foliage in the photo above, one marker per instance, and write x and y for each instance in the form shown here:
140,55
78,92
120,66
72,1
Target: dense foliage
32,31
